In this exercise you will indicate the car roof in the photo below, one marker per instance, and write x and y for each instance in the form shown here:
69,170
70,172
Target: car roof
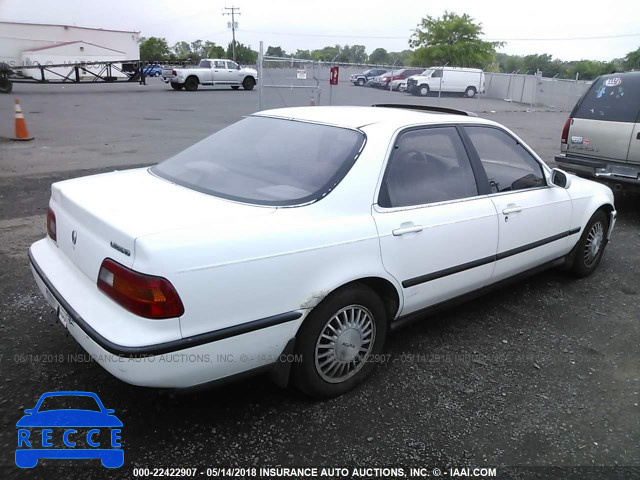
357,117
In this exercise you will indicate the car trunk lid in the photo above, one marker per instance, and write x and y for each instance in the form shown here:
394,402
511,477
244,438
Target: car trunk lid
101,216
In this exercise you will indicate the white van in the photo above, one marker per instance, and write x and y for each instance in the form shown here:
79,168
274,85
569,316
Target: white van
468,81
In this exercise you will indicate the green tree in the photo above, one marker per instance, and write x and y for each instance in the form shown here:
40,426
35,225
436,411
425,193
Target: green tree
354,54
303,54
380,57
403,57
452,39
589,69
632,60
154,49
275,52
510,63
327,54
214,51
244,54
182,50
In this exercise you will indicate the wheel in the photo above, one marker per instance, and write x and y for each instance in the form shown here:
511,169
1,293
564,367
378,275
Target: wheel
248,83
590,248
235,87
423,90
360,82
338,340
191,84
470,92
157,74
5,85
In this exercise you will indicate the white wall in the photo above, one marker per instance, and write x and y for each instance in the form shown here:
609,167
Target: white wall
92,55
18,37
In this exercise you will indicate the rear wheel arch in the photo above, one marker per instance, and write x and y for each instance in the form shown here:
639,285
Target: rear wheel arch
386,291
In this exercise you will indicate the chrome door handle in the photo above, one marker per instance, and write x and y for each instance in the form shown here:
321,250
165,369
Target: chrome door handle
401,231
511,209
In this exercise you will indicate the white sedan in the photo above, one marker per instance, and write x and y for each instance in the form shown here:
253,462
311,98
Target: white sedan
295,239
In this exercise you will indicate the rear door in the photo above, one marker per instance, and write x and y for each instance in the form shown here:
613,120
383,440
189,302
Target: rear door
604,120
534,218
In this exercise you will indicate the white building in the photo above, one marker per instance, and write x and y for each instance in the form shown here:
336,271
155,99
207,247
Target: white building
46,44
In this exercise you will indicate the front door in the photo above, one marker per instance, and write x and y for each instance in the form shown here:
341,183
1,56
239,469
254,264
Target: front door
534,217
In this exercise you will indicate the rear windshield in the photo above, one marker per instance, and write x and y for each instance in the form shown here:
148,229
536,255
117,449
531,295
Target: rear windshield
614,98
267,161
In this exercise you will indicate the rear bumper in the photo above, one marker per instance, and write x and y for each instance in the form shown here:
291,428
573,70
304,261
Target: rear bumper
621,175
176,363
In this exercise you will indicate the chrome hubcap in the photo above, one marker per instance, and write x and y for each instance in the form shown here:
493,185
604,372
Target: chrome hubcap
344,344
593,244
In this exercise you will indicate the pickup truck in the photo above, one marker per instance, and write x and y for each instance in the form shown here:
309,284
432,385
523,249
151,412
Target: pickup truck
210,71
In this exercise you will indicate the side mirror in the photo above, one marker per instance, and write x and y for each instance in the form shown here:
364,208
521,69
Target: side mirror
29,411
560,179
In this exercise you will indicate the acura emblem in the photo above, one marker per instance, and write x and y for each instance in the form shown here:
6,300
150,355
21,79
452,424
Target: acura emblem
74,237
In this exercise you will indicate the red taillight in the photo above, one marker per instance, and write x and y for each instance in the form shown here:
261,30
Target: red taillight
145,295
174,73
565,131
51,224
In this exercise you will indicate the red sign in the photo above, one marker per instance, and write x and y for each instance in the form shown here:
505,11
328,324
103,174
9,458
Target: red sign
333,76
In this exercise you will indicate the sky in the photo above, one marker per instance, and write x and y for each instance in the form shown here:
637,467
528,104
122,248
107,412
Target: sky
566,29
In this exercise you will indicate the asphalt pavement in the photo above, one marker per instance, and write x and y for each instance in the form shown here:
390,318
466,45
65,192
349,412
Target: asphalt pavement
545,372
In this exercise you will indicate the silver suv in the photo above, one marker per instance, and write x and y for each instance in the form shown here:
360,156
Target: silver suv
601,138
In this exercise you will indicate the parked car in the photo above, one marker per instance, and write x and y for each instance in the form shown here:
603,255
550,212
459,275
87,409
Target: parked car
400,74
309,231
399,85
360,79
210,71
152,70
468,81
601,137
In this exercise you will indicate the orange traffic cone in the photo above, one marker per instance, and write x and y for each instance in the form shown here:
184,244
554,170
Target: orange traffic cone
22,133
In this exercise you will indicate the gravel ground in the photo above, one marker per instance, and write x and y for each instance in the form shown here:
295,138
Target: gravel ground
545,372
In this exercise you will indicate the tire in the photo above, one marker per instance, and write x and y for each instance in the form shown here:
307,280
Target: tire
356,318
177,86
589,250
191,84
248,83
470,92
235,87
5,85
360,82
157,74
423,90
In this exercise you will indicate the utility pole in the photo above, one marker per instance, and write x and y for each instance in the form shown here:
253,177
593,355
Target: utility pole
233,12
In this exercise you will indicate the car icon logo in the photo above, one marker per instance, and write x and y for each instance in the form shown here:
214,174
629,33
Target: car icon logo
69,425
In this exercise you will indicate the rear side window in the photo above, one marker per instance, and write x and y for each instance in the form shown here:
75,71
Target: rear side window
613,98
507,164
427,165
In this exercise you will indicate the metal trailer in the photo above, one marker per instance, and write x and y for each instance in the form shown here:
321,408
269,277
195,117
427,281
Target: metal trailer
85,72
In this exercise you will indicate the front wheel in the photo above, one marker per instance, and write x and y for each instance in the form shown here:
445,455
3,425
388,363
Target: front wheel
590,248
248,83
360,82
176,86
423,90
339,341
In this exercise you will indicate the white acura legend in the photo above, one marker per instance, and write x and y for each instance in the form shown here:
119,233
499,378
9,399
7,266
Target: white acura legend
295,239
